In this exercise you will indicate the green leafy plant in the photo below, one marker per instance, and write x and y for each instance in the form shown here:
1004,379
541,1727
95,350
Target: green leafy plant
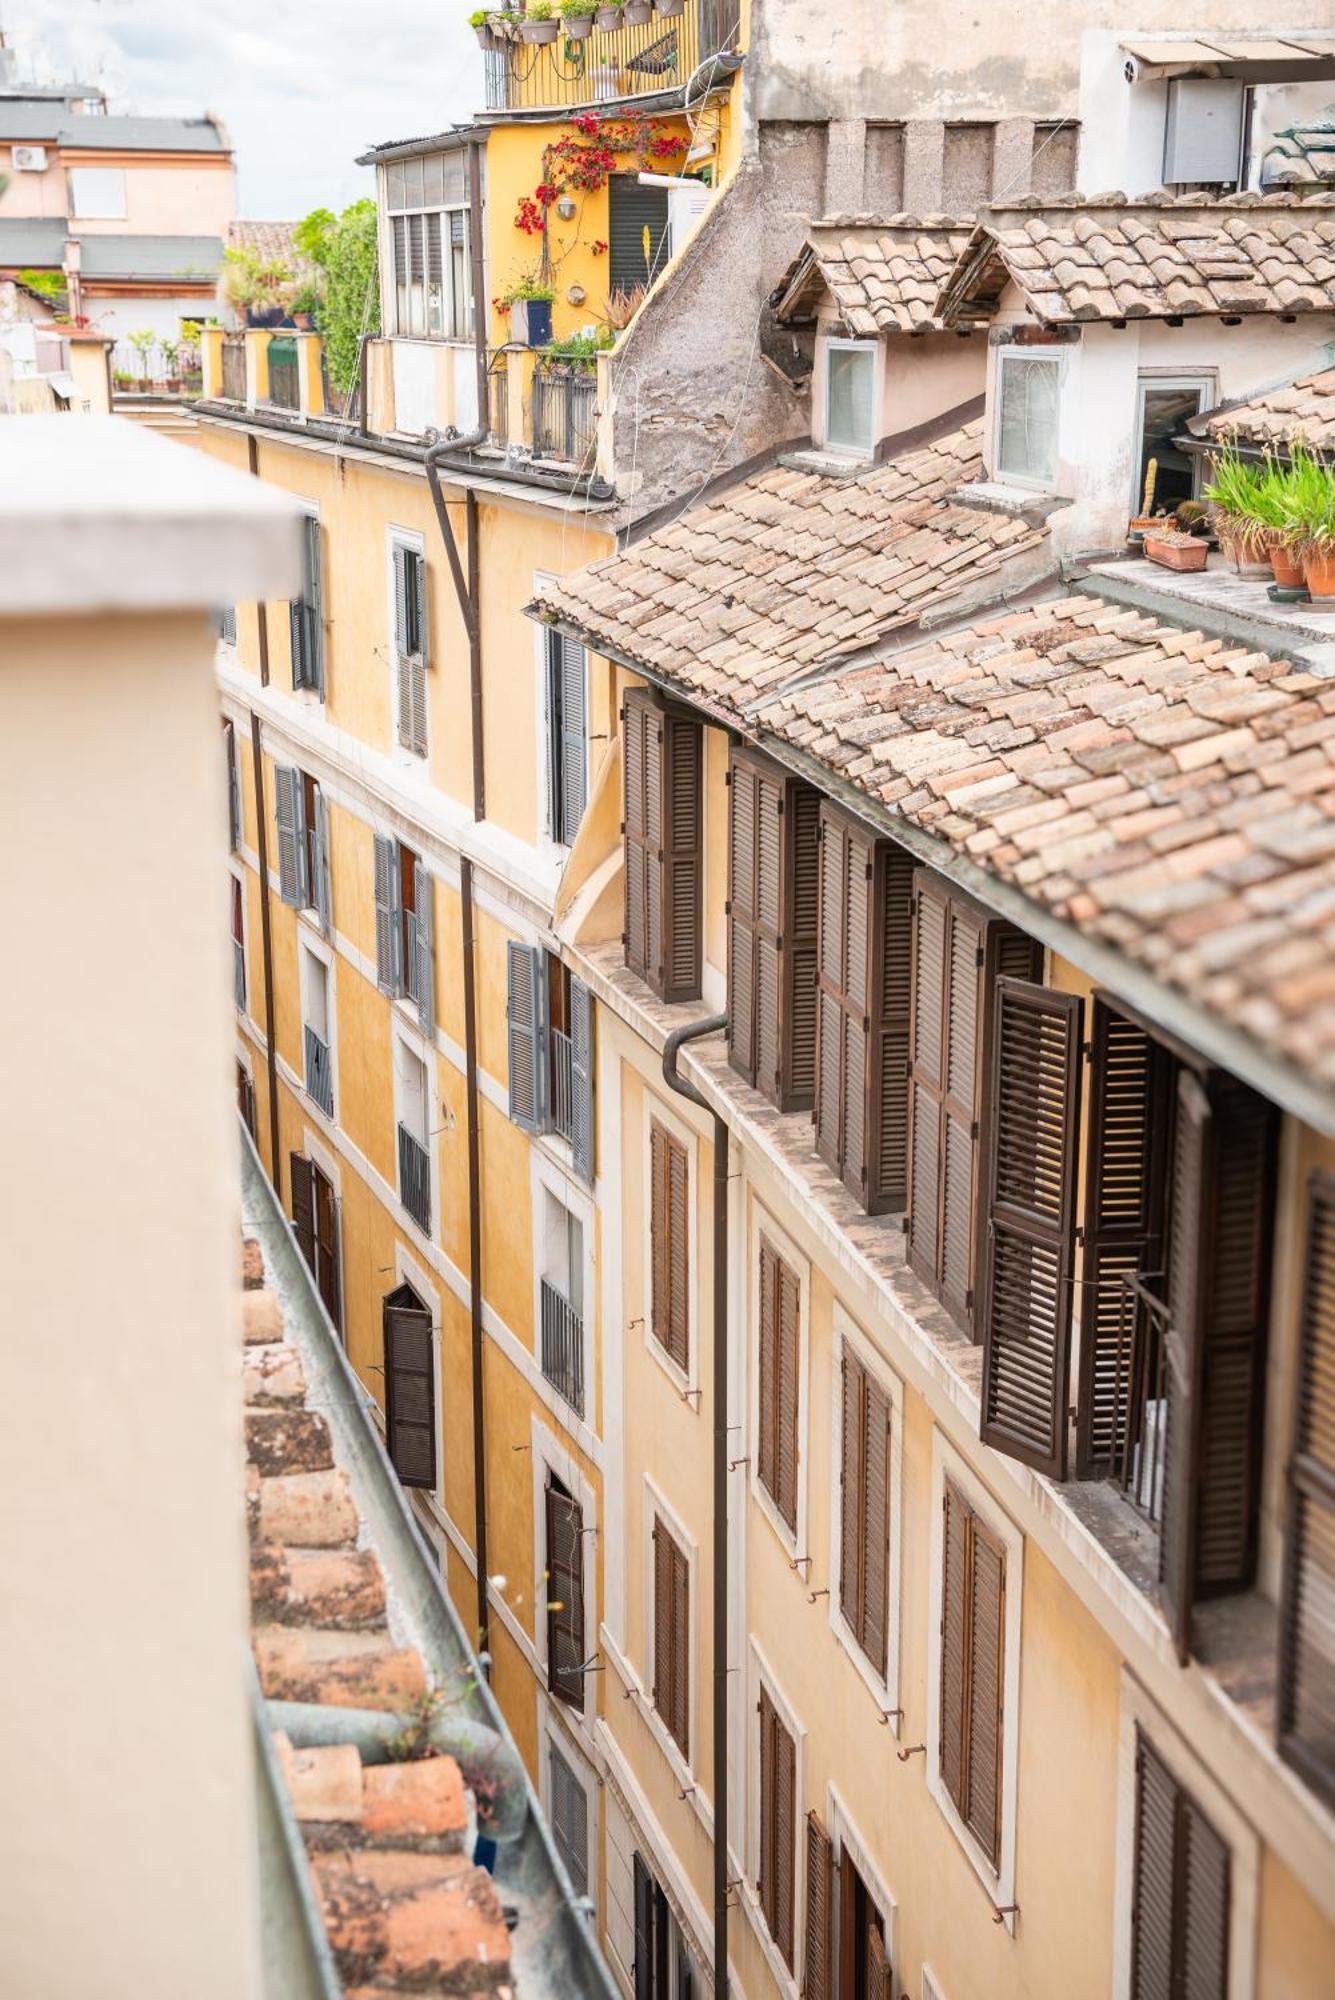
530,286
1234,495
578,10
580,349
343,248
540,10
253,283
1307,504
308,298
48,285
480,18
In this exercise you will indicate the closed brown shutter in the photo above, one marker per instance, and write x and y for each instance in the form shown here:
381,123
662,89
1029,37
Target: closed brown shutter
1184,1360
817,1943
1180,1891
663,831
1307,1613
973,1632
1033,1122
410,1397
772,862
672,1636
888,1061
778,1827
327,1277
778,1361
852,1506
565,1594
864,1536
1130,1116
303,1207
669,1244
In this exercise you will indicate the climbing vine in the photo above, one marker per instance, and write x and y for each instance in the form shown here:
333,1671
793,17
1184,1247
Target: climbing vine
581,162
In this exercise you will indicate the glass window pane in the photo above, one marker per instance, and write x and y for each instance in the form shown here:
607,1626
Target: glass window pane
1027,432
849,397
1165,411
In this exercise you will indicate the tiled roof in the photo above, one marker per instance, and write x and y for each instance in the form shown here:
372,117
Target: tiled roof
1304,409
1102,257
792,569
405,1910
271,240
885,275
1166,793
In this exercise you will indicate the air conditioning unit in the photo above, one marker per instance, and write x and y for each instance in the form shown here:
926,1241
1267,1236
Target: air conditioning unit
28,159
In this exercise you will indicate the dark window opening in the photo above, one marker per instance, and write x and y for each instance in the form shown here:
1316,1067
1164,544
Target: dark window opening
1163,410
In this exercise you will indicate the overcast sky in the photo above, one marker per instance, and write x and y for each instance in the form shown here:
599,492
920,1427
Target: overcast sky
302,85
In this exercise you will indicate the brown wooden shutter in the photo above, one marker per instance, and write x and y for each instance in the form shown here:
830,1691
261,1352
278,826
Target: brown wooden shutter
852,1506
744,783
797,1087
664,854
669,1244
817,1943
875,1525
327,1276
778,1827
767,1368
1033,1123
1180,1890
888,1057
954,1639
1130,1115
681,1649
1184,1360
772,863
1307,1610
410,1397
303,1207
640,748
565,1594
986,1666
778,1362
672,1636
931,911
765,1883
880,1983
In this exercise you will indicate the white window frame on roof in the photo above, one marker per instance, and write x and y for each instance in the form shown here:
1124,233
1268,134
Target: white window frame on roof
1203,379
838,344
1021,357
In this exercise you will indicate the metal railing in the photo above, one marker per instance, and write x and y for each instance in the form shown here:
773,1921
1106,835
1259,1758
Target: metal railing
562,1346
1140,1396
498,398
239,973
563,1101
284,373
166,368
234,367
415,1179
564,412
609,64
319,1073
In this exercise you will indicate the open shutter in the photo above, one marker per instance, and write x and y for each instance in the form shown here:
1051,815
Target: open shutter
1033,1122
767,1369
1130,1114
889,975
852,1491
289,814
526,1028
880,1985
681,1649
327,1274
841,1065
565,1595
424,947
410,1397
388,916
743,788
682,843
766,1884
787,1319
800,906
1180,1890
873,1632
954,1639
773,864
303,1207
314,609
1185,1358
931,908
986,1669
423,633
574,737
400,600
1307,1610
644,1931
581,1081
642,783
817,1952
320,889
233,786
785,1837
669,1237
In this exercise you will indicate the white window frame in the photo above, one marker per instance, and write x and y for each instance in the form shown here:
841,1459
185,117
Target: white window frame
844,1834
550,1177
686,1384
103,208
839,344
1204,379
554,1454
761,1223
407,1036
658,1507
932,1988
762,1675
1015,355
311,946
405,761
421,211
553,1736
847,1334
1139,1711
999,1884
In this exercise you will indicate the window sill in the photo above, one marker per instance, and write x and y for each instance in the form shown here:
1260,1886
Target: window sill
784,1978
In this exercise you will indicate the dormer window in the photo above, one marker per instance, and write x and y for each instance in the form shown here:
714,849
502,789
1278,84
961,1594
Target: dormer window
850,395
1026,426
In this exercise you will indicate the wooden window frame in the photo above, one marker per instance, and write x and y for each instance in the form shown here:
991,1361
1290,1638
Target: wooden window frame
784,1071
660,1518
656,1112
565,1686
849,1337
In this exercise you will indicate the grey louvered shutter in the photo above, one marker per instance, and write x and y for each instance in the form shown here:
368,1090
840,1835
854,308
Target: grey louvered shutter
320,888
852,1491
574,737
400,599
633,209
526,1024
290,815
786,1318
410,1396
1307,1607
423,625
1191,1195
303,1207
681,850
314,621
388,916
424,947
581,1081
1034,1118
233,787
875,1523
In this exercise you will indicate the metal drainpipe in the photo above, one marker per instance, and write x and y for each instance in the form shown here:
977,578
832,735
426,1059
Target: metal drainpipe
684,1088
475,1259
266,942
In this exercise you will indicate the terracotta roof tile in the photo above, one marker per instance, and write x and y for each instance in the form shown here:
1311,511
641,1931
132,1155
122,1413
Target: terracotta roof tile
1304,409
884,274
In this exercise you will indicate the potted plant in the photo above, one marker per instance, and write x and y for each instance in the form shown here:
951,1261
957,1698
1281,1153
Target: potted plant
530,304
171,362
638,13
1309,517
540,23
1233,495
305,306
1171,549
480,23
608,17
577,18
143,343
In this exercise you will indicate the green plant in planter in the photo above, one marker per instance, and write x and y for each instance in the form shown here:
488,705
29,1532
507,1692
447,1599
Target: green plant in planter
578,10
480,18
530,286
143,343
540,10
1234,495
1308,503
579,350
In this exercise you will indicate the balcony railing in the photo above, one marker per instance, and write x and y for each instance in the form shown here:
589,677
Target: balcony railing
160,369
415,1179
284,374
234,367
1140,1396
608,65
564,413
562,1346
239,973
319,1073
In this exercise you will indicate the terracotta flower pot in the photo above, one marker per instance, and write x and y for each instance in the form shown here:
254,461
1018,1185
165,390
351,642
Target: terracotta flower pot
1185,553
1319,571
1284,562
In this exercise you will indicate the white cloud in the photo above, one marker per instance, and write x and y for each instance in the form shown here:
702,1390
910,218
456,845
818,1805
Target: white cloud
302,87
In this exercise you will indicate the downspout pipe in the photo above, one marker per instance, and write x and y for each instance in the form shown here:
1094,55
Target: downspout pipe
714,1025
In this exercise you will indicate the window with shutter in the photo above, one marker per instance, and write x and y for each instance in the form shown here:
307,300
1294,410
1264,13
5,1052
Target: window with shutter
565,1594
233,785
569,1818
410,648
637,231
778,1360
958,954
306,614
1032,1127
864,1478
526,1018
1180,1890
778,1827
410,1393
672,1672
566,701
663,832
818,1937
773,875
1307,1612
315,1226
863,965
424,950
581,1081
303,1206
321,896
290,818
388,916
973,1626
669,1245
